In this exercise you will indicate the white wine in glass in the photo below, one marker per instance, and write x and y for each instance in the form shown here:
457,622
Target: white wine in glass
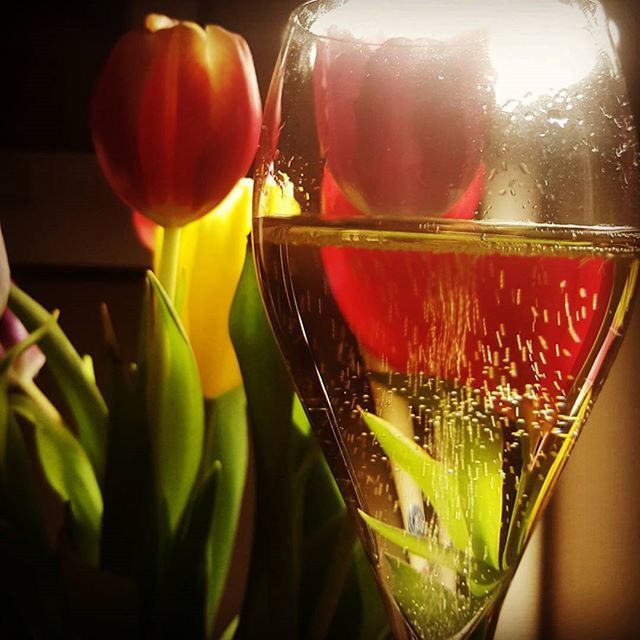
446,240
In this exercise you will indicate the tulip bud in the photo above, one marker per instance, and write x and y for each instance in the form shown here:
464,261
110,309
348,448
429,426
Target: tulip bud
4,275
12,332
175,118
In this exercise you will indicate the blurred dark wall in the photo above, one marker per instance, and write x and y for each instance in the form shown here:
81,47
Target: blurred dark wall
52,52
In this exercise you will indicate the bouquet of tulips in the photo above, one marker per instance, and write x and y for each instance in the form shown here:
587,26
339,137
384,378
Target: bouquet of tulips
184,495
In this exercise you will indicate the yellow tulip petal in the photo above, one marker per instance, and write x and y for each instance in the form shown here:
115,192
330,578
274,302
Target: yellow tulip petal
213,273
278,197
212,253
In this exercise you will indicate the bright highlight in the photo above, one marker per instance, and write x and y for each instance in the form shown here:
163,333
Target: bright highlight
536,48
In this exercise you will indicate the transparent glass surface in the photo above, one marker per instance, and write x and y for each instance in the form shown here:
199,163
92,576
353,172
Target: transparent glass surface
446,237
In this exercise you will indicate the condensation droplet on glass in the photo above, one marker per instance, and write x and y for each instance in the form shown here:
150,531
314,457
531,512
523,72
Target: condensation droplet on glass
511,106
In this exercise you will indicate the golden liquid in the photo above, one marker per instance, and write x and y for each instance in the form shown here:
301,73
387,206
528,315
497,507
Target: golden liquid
481,348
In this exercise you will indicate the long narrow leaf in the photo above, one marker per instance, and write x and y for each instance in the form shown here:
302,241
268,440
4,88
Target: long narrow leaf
175,407
334,581
184,586
274,568
130,545
31,588
230,631
482,578
70,474
424,547
18,495
83,399
373,623
472,450
480,478
438,486
230,438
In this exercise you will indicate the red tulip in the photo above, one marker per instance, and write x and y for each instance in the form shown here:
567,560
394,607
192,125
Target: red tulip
175,118
402,125
493,318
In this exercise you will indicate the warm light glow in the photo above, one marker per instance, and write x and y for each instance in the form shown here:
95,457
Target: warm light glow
614,30
537,47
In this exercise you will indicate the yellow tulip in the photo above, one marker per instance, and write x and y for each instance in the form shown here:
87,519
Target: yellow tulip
212,253
278,197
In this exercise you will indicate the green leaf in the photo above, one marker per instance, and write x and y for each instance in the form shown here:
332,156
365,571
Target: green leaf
6,362
69,472
183,603
425,547
374,620
81,395
31,590
437,485
300,420
430,605
19,500
480,485
230,631
274,569
319,528
334,580
481,577
130,544
175,407
230,446
474,451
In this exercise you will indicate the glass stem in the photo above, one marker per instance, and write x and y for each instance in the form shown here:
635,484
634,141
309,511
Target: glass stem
169,260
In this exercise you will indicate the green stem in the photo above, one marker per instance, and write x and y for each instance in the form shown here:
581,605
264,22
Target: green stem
168,275
45,405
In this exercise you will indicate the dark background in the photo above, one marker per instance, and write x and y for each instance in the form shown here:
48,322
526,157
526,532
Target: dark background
52,53
71,246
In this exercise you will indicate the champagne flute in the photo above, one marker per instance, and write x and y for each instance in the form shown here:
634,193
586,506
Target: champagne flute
448,265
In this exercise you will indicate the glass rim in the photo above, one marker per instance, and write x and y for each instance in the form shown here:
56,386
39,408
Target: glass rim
296,20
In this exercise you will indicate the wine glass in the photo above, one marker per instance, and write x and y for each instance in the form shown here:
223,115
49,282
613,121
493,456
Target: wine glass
448,265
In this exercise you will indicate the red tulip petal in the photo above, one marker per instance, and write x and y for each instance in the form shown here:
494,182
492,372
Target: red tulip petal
114,117
175,108
230,147
176,118
145,230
